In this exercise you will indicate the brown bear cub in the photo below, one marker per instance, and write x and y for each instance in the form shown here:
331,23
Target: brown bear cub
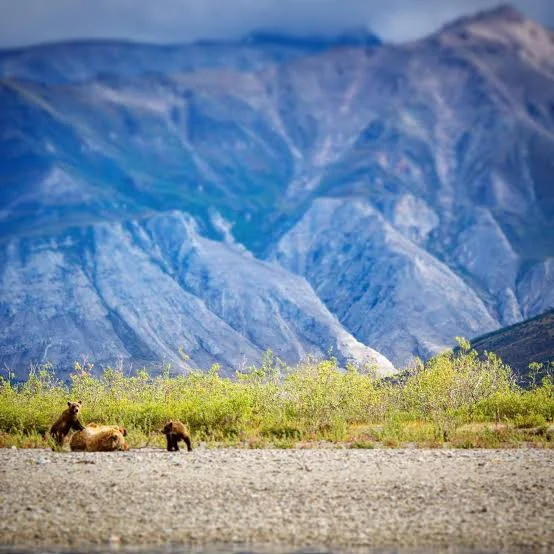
174,432
67,421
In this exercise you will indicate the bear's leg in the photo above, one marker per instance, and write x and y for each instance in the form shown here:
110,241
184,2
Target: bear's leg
169,442
188,443
59,438
77,425
175,439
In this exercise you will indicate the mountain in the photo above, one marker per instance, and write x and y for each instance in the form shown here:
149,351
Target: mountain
521,344
298,195
438,208
82,61
149,290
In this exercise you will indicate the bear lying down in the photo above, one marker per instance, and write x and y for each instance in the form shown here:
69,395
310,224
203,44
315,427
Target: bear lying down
99,438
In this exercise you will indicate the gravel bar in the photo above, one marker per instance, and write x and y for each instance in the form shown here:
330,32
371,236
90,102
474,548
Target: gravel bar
491,500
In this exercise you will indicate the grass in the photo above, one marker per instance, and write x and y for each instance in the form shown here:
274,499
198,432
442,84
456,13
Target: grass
455,399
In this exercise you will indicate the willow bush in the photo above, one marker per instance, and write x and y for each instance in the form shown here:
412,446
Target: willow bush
449,388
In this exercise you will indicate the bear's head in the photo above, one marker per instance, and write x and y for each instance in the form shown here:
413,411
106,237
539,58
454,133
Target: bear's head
168,428
74,407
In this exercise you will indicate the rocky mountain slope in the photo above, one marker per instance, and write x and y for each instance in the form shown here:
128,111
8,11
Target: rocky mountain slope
521,344
155,290
298,195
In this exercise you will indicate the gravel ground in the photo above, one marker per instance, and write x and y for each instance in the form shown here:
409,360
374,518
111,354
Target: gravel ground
497,500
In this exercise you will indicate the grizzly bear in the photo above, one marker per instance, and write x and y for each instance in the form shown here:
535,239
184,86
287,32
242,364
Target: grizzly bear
99,438
174,432
67,421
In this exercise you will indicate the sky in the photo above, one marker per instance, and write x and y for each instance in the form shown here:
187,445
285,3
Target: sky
24,22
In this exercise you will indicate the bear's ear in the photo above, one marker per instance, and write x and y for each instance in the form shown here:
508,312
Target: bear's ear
79,402
68,403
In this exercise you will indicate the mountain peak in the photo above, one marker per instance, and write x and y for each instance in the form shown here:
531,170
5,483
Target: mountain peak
502,14
500,28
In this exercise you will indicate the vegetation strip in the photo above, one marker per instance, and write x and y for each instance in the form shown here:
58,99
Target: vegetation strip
457,398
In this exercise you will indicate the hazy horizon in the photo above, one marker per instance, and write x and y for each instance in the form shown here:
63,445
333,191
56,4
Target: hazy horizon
31,22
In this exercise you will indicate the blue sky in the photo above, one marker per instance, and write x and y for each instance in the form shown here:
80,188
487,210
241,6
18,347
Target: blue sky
33,21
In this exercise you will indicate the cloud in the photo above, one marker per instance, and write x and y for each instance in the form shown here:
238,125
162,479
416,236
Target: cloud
164,21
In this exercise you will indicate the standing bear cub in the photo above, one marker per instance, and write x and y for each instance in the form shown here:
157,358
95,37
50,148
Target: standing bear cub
67,421
174,432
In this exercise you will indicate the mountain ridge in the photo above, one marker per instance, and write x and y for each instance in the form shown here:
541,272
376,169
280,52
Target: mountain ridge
526,342
426,167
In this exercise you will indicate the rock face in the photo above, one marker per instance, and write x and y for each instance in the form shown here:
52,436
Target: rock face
222,199
155,290
365,269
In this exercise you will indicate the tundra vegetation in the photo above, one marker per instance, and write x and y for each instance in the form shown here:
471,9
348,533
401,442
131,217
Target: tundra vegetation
458,398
